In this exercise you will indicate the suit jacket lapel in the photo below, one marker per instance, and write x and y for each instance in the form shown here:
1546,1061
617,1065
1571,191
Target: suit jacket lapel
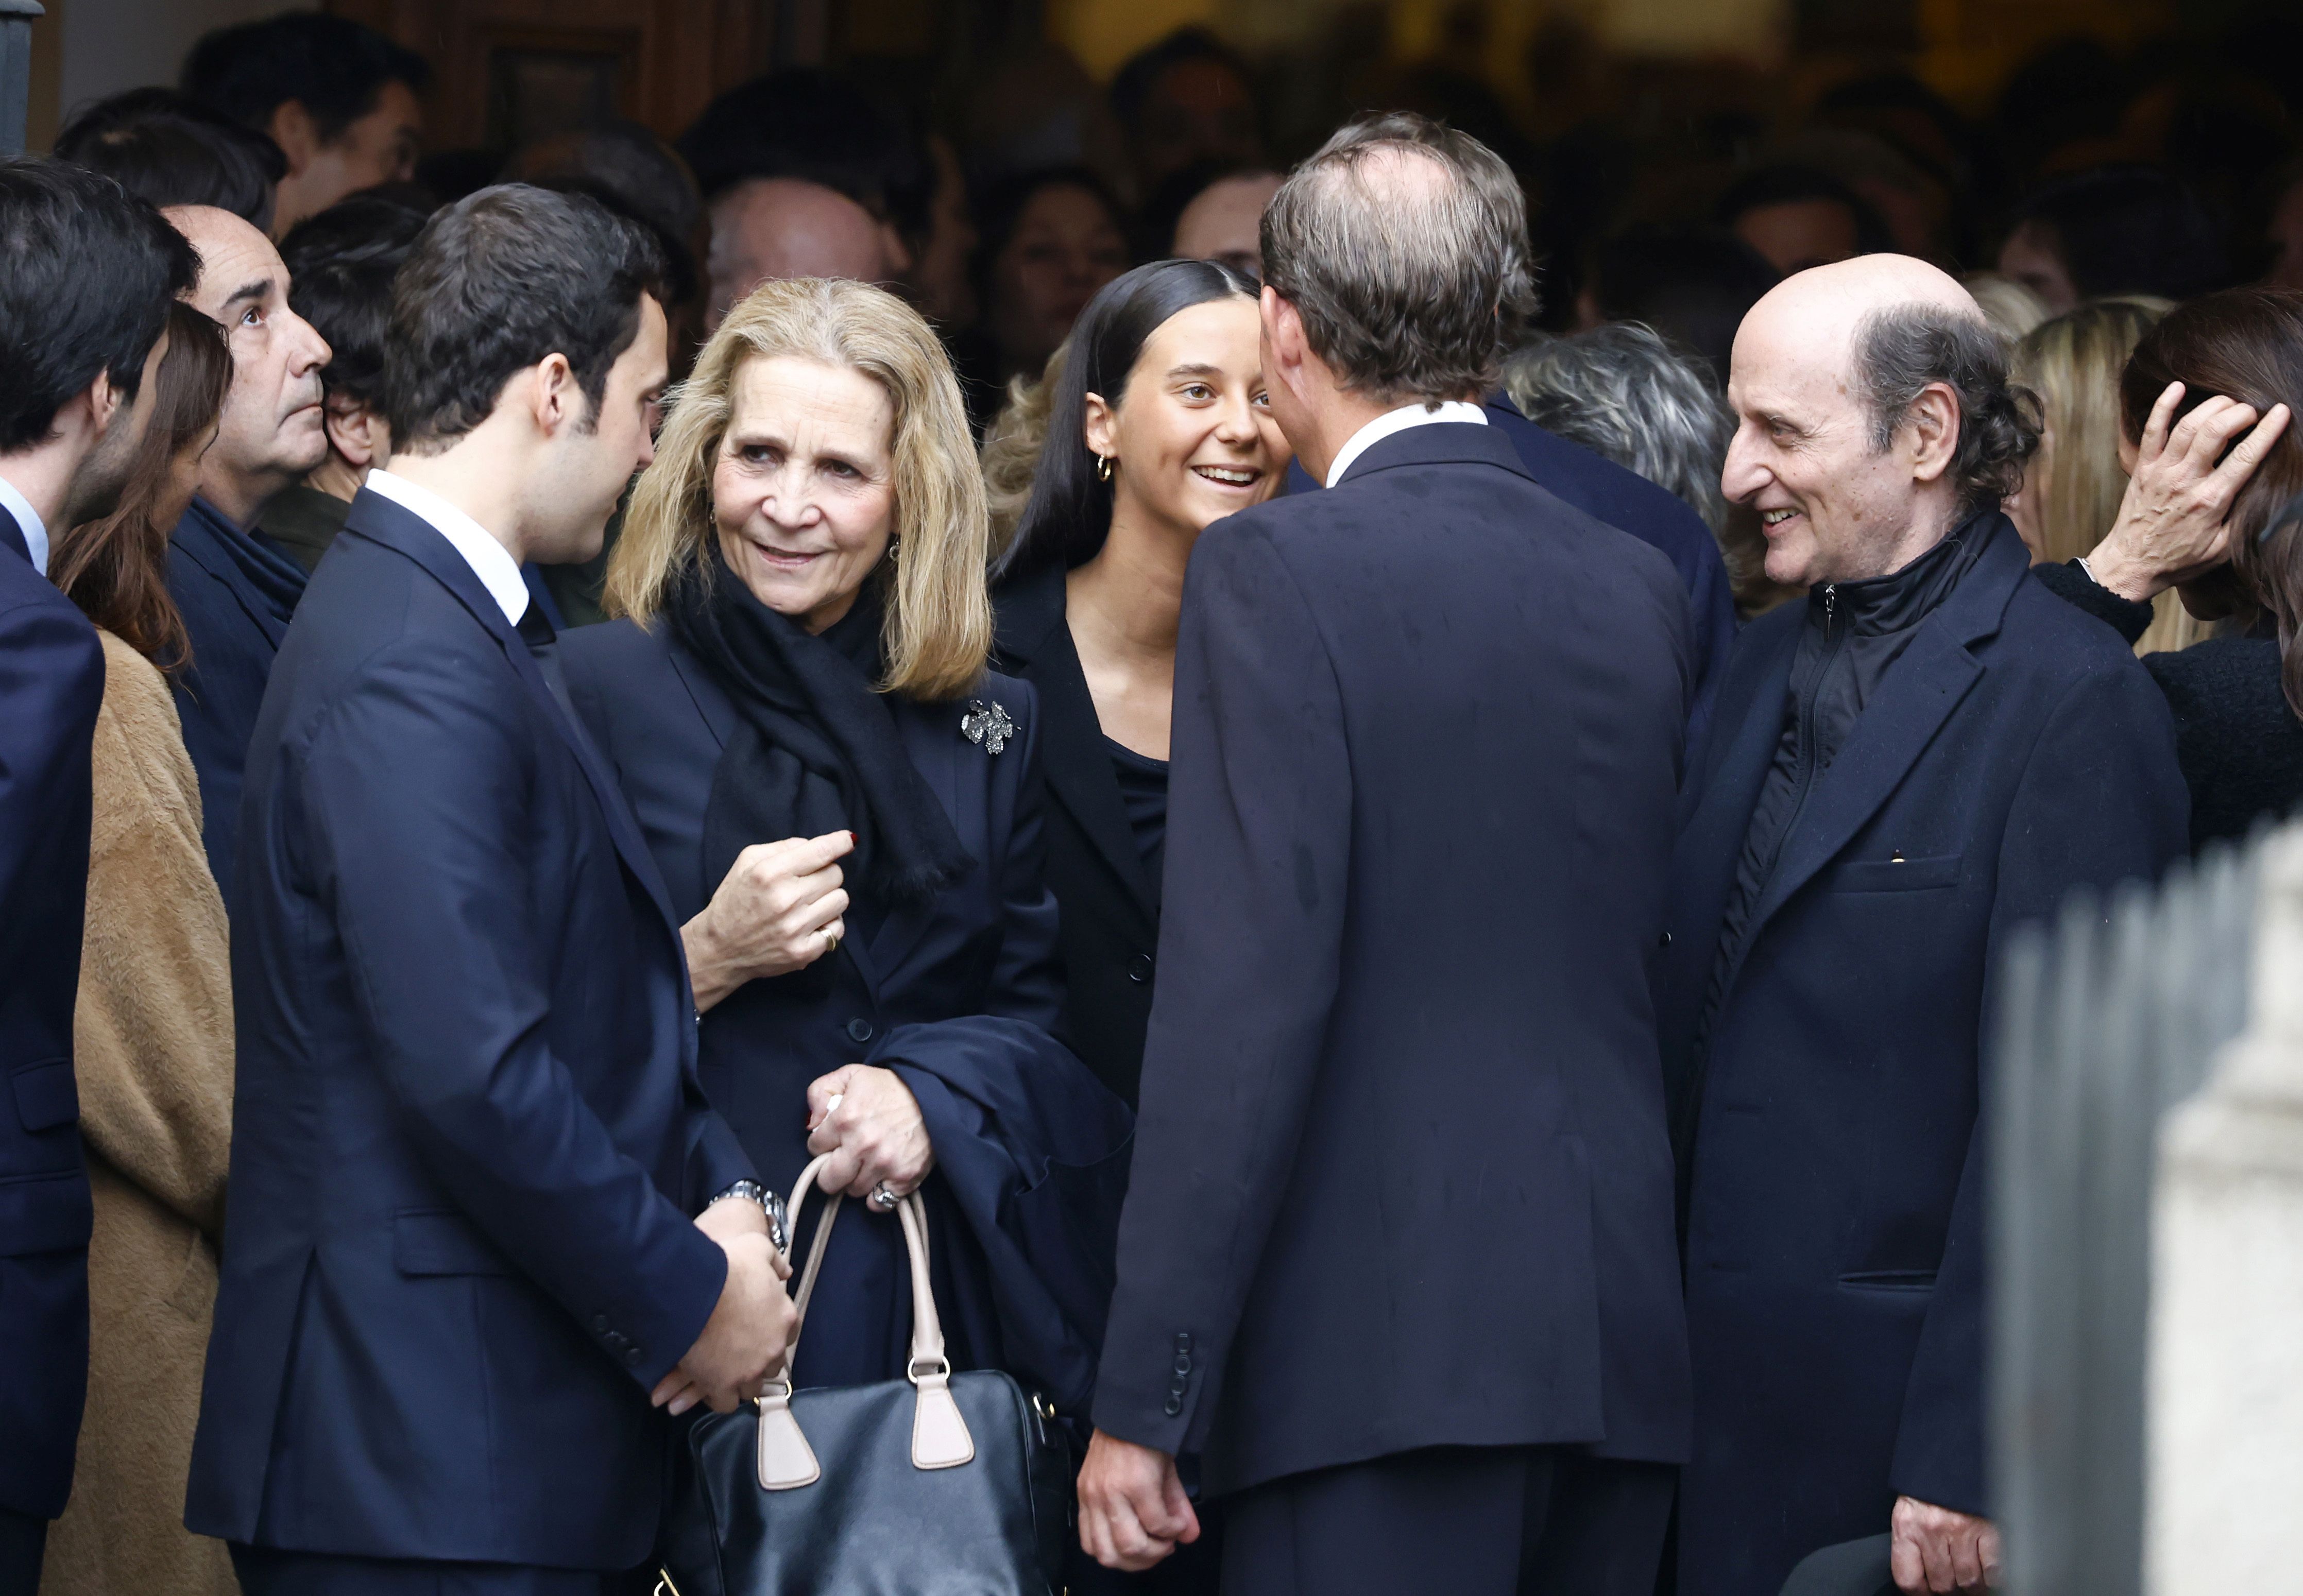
1918,695
1072,760
375,517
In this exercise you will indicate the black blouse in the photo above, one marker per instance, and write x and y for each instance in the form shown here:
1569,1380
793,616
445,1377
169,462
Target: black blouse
1143,793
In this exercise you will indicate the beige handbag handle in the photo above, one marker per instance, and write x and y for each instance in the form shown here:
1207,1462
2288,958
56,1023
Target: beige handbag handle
940,1437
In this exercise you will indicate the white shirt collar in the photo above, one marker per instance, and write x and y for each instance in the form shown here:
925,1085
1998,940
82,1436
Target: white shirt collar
1383,426
490,560
29,523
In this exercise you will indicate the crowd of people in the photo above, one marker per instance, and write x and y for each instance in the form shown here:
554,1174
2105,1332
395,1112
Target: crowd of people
1419,893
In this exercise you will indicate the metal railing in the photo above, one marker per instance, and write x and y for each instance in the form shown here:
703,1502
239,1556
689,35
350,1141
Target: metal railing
2106,1022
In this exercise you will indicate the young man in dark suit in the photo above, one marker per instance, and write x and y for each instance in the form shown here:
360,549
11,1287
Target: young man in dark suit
1396,1261
480,1213
1929,752
85,276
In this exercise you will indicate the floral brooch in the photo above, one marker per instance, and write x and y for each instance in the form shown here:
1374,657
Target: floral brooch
987,724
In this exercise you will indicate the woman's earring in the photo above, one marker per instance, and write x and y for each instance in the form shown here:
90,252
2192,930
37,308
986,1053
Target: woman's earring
894,544
1103,468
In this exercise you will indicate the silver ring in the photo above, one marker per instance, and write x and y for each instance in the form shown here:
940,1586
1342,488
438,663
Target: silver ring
883,1199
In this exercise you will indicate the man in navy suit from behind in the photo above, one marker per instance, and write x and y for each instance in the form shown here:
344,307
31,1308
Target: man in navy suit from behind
86,275
1397,1260
480,1213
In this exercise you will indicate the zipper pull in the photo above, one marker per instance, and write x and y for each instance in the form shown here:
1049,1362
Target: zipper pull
1830,606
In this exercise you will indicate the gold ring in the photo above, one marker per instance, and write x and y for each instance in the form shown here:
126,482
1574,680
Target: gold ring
830,939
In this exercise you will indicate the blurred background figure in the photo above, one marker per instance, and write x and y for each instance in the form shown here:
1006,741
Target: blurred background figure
168,148
1209,211
1693,285
2072,488
152,1036
1189,97
804,178
1801,216
2011,307
2120,229
340,269
638,176
1623,393
1048,241
339,100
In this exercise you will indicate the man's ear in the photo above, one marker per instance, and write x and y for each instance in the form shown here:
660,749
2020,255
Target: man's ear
558,402
1930,431
358,433
1283,337
292,128
103,401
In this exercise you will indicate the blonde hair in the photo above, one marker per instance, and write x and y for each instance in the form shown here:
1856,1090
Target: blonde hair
1011,447
936,635
2012,308
2073,362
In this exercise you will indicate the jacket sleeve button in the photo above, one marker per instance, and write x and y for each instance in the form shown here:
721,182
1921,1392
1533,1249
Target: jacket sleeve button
859,1030
1175,1405
1139,969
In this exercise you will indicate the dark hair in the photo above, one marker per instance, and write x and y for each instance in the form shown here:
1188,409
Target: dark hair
1785,183
494,283
87,273
1001,207
625,159
170,149
340,264
334,67
117,568
1132,85
682,280
2129,229
2246,344
1404,294
1902,349
1694,285
1069,513
804,124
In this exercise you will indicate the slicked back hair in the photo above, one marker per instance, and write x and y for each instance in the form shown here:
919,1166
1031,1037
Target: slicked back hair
86,274
1901,350
1411,294
496,282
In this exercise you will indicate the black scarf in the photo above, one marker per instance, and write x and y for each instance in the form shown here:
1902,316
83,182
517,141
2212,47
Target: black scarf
818,750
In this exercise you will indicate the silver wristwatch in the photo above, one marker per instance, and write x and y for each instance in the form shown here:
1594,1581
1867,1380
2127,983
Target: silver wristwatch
771,1204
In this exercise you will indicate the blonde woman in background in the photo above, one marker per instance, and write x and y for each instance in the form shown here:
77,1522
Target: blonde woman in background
2073,489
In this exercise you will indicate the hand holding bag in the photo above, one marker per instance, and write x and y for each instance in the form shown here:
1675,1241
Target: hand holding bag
936,1484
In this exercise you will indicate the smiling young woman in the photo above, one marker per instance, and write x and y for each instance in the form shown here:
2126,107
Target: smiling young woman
1158,426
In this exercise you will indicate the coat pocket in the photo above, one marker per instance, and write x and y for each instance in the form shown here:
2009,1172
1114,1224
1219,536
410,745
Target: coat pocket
442,1241
1896,874
1890,1280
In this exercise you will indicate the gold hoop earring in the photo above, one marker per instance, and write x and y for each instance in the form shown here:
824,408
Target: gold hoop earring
1103,468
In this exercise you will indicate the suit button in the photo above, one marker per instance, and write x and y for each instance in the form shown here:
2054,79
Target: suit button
632,1356
1139,969
1175,1405
859,1030
1183,1364
1183,1340
599,1324
1664,940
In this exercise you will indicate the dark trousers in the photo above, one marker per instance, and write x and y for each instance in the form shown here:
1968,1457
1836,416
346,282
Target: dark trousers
22,1539
266,1571
1454,1521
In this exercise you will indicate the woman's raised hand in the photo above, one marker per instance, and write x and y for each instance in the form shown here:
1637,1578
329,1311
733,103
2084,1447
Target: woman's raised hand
2175,522
867,1119
778,910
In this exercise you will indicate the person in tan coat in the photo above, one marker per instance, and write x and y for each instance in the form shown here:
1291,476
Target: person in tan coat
151,1033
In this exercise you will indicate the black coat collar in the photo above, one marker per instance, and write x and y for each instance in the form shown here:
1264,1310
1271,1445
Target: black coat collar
1035,640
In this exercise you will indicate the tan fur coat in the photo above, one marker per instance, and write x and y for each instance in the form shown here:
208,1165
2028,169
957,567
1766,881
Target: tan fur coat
153,1051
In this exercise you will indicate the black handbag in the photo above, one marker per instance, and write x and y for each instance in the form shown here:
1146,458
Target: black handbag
936,1484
